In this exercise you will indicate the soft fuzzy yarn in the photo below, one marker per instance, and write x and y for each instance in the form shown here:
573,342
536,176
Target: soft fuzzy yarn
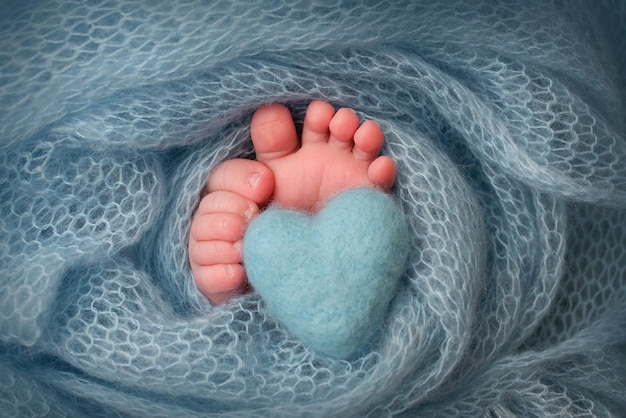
329,278
506,119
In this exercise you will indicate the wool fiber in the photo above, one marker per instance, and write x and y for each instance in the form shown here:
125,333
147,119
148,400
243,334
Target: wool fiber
329,277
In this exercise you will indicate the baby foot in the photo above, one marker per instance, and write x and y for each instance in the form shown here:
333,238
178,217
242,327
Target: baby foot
234,192
336,153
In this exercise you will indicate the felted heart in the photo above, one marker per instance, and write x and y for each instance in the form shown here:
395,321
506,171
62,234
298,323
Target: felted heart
329,278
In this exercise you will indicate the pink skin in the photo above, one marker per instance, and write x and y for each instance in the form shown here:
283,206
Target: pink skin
336,153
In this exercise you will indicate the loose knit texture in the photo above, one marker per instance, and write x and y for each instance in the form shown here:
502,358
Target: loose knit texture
506,119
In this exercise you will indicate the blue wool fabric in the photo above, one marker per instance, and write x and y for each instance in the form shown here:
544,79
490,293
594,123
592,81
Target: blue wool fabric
329,278
507,122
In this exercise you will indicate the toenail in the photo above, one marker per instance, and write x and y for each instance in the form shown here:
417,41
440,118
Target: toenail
247,214
254,178
230,271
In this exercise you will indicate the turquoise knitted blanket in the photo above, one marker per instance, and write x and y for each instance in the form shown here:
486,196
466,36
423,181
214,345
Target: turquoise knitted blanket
508,123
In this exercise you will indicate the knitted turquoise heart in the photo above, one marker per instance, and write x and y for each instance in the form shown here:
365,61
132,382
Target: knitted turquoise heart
329,278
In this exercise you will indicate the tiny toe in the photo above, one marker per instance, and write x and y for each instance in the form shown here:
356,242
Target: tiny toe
206,253
368,141
250,179
229,202
273,132
217,226
316,122
382,172
220,282
343,127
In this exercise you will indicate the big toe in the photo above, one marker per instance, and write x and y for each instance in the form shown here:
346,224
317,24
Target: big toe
273,132
248,178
